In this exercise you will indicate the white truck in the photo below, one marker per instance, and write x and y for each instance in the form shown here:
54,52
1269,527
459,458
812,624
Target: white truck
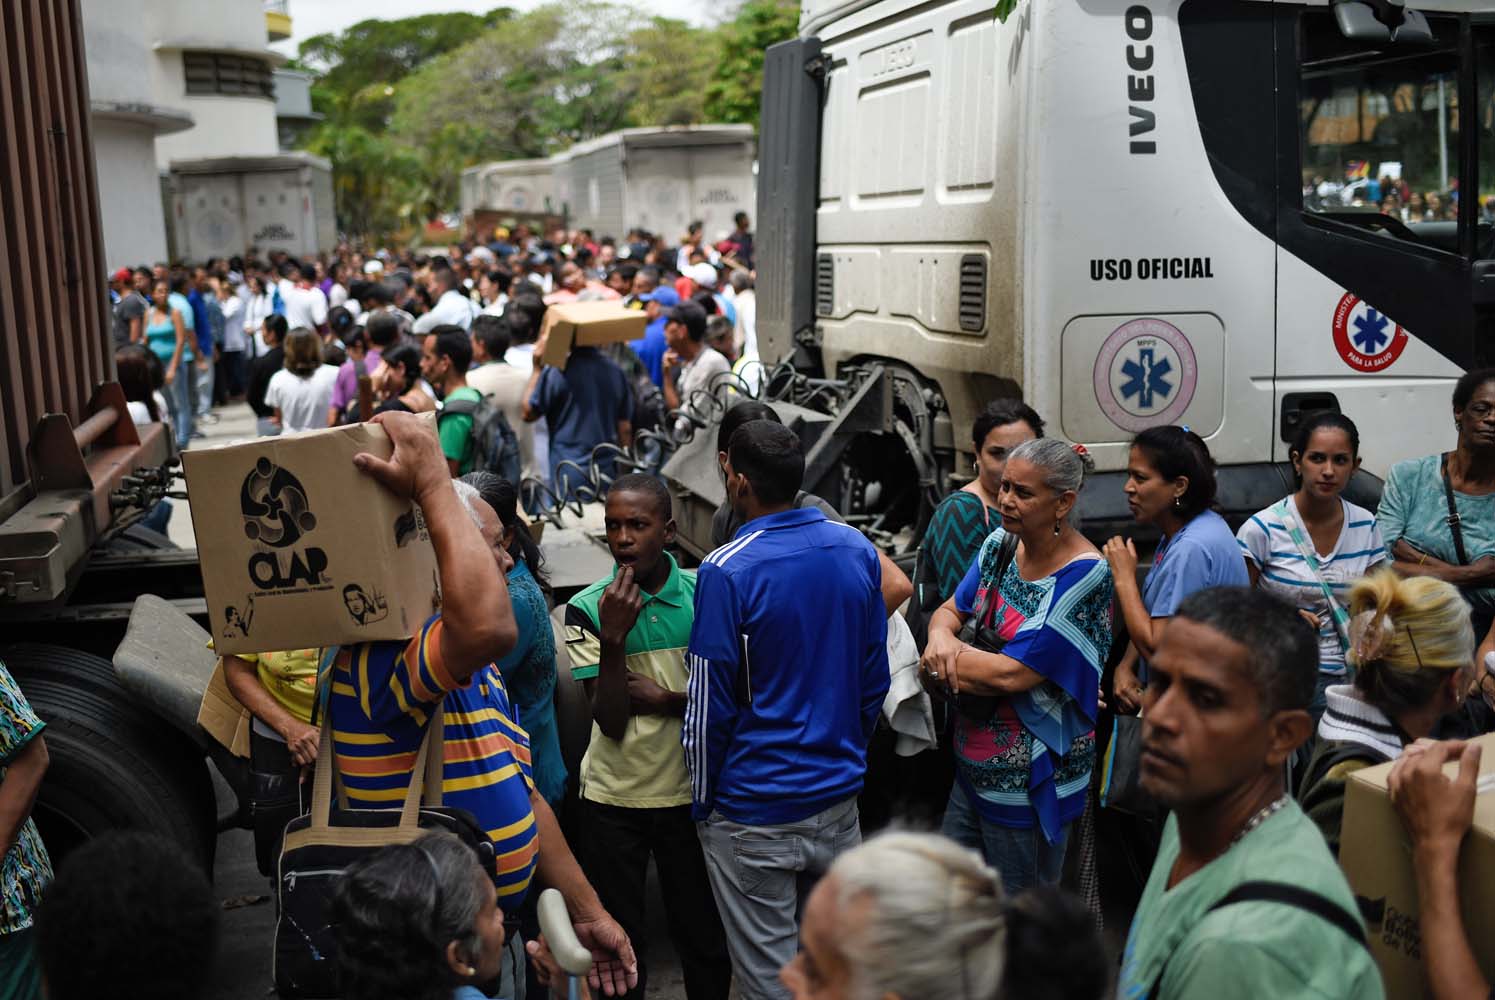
222,206
661,179
1130,212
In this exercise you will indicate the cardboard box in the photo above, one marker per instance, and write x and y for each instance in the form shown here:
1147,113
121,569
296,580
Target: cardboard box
588,324
222,716
1376,855
299,549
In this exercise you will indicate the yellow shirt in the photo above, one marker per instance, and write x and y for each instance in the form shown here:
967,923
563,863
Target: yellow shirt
290,676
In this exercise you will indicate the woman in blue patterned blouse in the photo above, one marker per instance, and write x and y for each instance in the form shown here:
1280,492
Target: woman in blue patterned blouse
1024,757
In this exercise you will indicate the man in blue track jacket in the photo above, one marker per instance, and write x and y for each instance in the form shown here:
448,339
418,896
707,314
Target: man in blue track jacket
788,669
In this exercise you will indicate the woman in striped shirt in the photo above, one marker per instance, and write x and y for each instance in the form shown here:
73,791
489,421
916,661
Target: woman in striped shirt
1311,545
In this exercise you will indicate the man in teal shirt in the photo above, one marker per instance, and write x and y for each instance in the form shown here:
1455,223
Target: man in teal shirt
1244,899
445,357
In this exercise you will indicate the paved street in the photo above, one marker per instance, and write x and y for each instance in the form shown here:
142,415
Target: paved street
248,927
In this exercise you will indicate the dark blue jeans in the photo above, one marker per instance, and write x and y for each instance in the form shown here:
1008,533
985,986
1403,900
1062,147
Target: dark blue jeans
1023,857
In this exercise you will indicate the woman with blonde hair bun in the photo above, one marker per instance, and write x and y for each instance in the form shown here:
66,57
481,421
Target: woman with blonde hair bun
1412,648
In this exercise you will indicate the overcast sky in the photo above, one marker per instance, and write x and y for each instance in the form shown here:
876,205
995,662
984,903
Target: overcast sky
314,17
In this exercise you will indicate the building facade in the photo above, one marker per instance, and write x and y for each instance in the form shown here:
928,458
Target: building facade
174,80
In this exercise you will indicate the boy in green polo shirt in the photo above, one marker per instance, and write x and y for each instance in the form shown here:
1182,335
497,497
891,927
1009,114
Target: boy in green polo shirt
626,635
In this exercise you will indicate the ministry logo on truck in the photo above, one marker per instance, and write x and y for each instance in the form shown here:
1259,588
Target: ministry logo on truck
1365,338
1145,374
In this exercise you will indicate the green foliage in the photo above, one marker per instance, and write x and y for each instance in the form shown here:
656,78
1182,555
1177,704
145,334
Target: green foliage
532,86
359,66
408,104
736,86
1004,9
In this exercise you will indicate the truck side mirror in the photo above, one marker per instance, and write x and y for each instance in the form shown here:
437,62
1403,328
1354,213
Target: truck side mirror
1382,21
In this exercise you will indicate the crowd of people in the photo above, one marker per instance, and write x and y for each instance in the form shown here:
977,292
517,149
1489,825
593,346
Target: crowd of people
294,338
733,705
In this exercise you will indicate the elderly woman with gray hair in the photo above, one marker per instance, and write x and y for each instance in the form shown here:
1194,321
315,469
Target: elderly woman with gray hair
908,916
1019,649
418,921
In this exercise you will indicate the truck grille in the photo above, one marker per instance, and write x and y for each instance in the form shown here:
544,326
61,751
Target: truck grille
973,292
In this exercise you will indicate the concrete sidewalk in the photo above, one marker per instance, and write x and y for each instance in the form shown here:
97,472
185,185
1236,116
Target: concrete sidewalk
235,423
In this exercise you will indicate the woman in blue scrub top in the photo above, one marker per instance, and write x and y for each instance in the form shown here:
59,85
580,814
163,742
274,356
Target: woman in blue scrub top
1170,485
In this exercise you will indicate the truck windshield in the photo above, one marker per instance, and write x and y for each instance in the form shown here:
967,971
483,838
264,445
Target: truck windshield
1379,132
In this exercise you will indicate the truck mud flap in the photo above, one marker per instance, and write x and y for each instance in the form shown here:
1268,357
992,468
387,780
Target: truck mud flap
788,185
165,662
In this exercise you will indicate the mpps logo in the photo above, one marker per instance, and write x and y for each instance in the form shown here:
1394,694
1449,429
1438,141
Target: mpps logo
277,513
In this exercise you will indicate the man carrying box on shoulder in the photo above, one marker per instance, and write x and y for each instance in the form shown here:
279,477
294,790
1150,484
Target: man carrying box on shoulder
384,692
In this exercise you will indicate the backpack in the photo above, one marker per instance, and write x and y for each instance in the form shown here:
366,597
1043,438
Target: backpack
649,410
495,446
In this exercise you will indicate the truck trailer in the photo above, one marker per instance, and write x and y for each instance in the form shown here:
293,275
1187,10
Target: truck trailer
660,179
76,476
223,206
1129,214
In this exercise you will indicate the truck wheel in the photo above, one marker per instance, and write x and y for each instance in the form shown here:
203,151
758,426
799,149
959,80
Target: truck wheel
113,766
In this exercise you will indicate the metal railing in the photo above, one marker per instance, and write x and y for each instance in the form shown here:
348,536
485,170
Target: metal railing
278,7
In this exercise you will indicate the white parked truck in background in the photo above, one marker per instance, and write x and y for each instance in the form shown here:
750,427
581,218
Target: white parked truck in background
223,206
1128,213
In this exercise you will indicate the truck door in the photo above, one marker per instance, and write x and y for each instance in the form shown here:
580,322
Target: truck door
1376,313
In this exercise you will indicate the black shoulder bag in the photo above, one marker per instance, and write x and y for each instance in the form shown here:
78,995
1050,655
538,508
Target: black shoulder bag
1288,895
1453,515
983,638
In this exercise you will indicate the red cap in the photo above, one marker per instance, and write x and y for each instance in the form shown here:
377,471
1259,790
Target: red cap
123,274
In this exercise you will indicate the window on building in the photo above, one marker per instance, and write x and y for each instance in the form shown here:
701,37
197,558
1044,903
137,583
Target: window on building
217,73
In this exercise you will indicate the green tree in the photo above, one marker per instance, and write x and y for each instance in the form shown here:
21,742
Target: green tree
534,84
358,67
408,104
370,178
736,88
665,73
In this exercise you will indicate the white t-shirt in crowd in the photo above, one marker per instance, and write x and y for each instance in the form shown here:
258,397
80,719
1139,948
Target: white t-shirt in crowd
256,308
233,324
140,414
696,377
521,357
302,402
1267,545
304,307
504,384
453,308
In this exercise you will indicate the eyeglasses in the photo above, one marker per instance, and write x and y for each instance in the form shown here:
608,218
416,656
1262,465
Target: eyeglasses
1479,409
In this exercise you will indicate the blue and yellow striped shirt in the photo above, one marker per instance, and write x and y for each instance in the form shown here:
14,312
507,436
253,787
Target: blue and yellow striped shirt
382,696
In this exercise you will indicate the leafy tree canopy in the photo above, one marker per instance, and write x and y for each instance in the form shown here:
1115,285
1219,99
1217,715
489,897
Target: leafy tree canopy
408,104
